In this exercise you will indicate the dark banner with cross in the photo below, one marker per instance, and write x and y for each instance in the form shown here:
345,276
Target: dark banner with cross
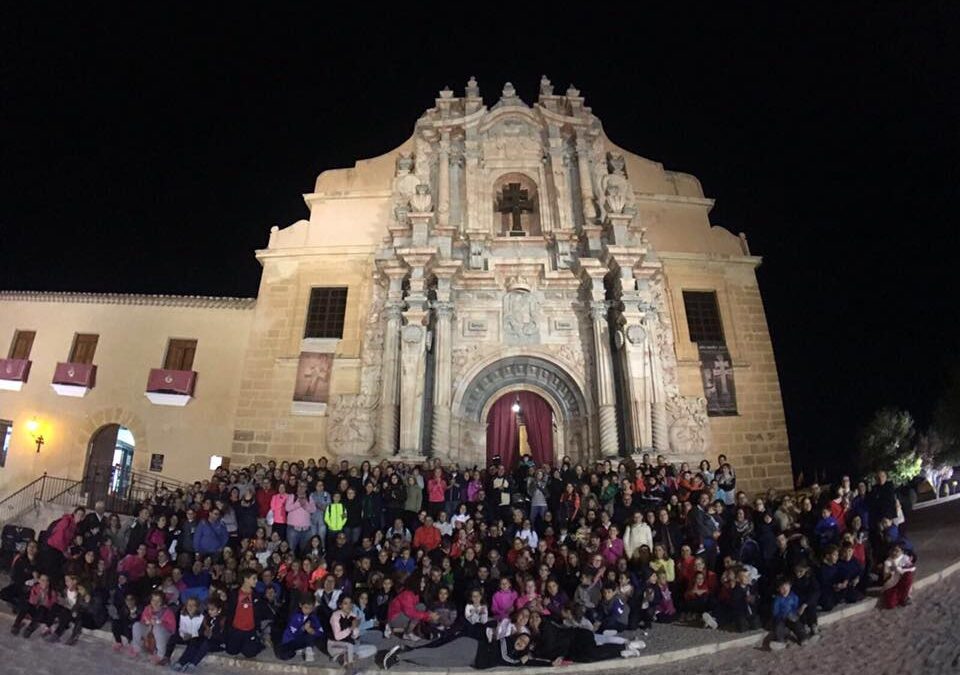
716,369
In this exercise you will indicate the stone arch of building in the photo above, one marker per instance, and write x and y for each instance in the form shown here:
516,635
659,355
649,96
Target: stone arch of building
93,423
490,379
549,378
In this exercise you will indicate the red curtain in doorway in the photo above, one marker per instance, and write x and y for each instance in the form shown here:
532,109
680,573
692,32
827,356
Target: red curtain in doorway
502,431
538,416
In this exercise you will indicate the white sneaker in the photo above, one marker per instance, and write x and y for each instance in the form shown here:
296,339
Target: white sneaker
637,645
299,653
412,637
609,632
776,646
387,632
709,621
308,655
630,653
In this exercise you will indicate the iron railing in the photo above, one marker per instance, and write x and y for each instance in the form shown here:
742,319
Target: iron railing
123,491
51,489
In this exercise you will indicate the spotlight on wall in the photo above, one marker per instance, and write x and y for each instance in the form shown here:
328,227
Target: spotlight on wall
33,426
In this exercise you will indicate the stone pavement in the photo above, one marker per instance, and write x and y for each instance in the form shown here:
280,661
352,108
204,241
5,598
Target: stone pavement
921,638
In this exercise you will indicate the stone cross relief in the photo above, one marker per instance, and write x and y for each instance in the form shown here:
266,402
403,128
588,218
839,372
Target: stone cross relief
515,201
721,371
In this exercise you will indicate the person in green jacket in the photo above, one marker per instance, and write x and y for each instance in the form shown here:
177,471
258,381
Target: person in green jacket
335,517
413,502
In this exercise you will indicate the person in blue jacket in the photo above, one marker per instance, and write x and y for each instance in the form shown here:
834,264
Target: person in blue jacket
786,616
211,536
304,631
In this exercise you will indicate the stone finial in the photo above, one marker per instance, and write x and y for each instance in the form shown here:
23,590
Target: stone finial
473,89
509,91
546,88
446,92
573,92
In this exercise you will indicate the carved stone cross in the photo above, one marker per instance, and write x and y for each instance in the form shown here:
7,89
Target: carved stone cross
514,200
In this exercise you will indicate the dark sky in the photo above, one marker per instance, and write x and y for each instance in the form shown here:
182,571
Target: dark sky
152,153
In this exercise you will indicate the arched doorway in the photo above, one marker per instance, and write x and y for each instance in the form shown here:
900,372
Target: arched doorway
489,381
520,424
109,462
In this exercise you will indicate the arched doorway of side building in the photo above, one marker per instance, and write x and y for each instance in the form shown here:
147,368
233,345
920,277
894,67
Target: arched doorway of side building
520,424
109,462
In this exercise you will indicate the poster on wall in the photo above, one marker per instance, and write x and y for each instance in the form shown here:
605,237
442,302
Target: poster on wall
156,462
313,377
716,369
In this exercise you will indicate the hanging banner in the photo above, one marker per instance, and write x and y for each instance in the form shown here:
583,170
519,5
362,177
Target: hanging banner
716,369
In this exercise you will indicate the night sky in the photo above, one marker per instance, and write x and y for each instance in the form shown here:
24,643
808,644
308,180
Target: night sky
152,153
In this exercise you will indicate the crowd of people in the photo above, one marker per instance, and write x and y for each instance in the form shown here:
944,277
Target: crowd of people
430,564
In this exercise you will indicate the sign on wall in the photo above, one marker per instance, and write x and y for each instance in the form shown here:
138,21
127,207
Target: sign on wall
716,370
156,462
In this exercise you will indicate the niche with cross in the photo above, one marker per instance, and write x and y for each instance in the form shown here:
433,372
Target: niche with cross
516,206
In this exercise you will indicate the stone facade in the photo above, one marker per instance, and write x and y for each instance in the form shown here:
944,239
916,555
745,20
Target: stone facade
503,248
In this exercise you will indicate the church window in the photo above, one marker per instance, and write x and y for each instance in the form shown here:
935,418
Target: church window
325,312
703,316
180,354
22,344
84,347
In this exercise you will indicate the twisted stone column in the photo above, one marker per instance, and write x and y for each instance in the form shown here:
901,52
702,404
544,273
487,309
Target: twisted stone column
606,393
661,437
389,400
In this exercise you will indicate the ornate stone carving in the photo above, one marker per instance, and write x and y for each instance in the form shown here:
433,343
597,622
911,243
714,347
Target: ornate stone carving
352,420
421,201
690,428
508,97
520,318
599,309
352,427
618,193
636,334
411,333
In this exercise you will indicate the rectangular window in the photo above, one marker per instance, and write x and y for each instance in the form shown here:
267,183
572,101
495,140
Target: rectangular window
703,316
84,348
22,344
180,354
325,313
6,431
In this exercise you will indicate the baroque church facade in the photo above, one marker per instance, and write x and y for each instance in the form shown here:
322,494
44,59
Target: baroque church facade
501,249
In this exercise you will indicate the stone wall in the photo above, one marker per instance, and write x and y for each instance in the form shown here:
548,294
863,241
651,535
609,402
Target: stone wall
755,440
266,427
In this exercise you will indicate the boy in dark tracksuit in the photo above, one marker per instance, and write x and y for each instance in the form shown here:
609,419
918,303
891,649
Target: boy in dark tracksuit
128,613
828,578
807,589
851,574
303,632
743,602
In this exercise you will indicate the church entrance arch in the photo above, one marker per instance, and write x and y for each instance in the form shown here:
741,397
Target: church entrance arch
538,381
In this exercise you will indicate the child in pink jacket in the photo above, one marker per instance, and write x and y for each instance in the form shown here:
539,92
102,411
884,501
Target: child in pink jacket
157,620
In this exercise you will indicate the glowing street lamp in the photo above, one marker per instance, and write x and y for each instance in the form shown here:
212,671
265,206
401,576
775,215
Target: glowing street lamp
33,426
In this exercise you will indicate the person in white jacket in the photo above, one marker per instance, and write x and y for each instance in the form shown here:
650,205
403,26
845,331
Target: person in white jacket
637,534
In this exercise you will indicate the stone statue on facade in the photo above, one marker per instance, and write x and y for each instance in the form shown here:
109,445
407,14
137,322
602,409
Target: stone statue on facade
618,193
421,201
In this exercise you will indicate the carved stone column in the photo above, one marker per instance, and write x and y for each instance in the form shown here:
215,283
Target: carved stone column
389,393
389,406
443,352
443,180
606,392
413,361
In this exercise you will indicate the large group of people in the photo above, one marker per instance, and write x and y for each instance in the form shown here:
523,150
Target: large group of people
440,565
